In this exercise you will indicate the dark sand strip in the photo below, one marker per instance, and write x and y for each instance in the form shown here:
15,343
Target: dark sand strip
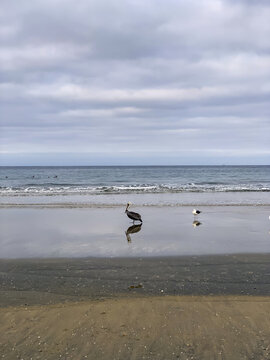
50,281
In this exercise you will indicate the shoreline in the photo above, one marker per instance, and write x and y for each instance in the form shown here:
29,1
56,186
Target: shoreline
111,206
166,199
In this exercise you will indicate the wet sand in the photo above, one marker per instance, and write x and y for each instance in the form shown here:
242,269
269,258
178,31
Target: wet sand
103,232
138,307
49,281
199,307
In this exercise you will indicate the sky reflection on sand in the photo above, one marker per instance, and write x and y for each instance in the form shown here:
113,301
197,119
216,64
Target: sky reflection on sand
103,232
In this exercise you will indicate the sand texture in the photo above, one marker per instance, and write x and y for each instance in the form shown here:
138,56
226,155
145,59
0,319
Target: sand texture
50,281
207,307
166,327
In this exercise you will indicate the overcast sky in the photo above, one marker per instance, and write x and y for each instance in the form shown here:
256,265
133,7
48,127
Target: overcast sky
94,82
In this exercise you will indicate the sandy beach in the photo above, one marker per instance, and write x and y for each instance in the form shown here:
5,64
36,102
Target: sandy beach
207,307
177,291
169,327
135,180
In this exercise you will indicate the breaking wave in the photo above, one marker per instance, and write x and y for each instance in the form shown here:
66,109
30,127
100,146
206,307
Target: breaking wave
126,189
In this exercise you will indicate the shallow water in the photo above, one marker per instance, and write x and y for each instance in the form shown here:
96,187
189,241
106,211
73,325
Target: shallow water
107,232
116,200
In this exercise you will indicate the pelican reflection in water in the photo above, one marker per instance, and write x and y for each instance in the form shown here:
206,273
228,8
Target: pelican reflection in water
132,230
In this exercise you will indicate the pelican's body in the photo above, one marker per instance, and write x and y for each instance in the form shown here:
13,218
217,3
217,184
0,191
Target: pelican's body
132,215
196,212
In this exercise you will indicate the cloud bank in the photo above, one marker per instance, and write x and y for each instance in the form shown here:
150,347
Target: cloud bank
134,82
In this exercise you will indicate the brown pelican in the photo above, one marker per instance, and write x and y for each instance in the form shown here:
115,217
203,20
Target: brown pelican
132,215
132,230
196,212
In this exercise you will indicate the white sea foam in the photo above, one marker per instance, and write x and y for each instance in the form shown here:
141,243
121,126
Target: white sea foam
125,189
167,185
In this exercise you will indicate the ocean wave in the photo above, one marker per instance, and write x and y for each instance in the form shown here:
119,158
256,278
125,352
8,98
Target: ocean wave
134,188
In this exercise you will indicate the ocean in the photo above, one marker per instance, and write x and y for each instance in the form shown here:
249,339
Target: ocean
144,185
80,211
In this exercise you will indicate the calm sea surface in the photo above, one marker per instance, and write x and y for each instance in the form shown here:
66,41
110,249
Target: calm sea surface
169,185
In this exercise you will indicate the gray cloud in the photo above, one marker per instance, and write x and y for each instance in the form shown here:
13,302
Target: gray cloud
135,80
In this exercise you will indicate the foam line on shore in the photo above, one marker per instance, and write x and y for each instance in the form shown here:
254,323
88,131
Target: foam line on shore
117,205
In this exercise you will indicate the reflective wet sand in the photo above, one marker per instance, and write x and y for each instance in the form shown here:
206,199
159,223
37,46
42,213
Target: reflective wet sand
87,283
102,232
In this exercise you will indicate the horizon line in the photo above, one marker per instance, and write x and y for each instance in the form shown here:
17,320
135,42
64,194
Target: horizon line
149,165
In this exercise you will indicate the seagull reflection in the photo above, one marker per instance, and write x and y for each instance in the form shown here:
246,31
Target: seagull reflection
132,230
196,223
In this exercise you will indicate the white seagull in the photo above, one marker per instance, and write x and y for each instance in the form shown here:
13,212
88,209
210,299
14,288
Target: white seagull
196,212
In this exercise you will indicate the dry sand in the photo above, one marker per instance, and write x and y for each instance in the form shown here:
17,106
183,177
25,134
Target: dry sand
165,327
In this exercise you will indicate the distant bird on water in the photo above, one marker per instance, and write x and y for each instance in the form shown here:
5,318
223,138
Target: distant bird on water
196,212
132,215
